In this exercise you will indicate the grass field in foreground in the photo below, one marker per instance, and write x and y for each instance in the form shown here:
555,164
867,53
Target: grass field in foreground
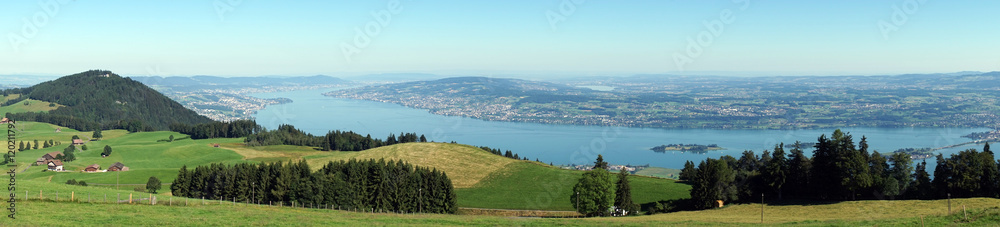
534,186
981,212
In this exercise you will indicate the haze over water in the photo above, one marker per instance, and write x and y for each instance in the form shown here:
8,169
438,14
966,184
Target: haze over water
571,144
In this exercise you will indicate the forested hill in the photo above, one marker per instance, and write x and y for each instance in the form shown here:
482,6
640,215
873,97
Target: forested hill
103,99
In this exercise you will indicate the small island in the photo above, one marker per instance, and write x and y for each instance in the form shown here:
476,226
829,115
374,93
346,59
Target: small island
695,148
917,153
802,145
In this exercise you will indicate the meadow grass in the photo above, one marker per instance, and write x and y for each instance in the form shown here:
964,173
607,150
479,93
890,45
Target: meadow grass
659,172
465,165
145,153
534,186
171,211
20,107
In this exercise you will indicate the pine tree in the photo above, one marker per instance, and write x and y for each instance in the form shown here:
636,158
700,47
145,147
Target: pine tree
991,173
181,184
901,172
799,166
623,196
921,187
776,171
36,145
688,173
20,146
600,164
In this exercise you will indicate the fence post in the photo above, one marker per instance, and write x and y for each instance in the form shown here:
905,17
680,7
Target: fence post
57,196
72,196
40,195
129,198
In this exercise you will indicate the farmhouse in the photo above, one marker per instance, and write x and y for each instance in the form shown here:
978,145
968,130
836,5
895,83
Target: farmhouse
77,142
54,165
51,155
4,120
92,168
118,166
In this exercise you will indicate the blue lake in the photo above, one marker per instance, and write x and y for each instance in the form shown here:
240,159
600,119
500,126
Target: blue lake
571,144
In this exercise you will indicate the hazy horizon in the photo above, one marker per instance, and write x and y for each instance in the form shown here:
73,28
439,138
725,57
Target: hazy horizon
342,39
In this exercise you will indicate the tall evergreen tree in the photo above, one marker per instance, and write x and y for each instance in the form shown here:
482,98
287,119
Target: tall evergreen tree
942,177
901,172
181,183
991,173
36,145
883,185
689,171
799,166
623,196
600,164
776,171
921,187
714,181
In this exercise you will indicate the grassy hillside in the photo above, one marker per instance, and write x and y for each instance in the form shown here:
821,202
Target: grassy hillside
981,212
485,180
659,172
20,107
142,152
536,186
465,165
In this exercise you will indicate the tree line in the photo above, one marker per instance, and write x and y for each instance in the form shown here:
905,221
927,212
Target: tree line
387,186
233,129
838,170
333,141
507,154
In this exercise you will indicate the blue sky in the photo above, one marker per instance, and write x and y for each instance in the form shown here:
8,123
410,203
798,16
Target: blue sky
249,37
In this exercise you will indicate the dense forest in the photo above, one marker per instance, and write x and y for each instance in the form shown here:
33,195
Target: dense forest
332,141
381,186
839,170
234,129
100,99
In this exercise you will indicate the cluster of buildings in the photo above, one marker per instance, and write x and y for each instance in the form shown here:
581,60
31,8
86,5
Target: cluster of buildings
613,168
52,163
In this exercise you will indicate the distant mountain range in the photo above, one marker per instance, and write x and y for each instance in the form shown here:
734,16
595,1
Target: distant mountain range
668,101
201,82
99,98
